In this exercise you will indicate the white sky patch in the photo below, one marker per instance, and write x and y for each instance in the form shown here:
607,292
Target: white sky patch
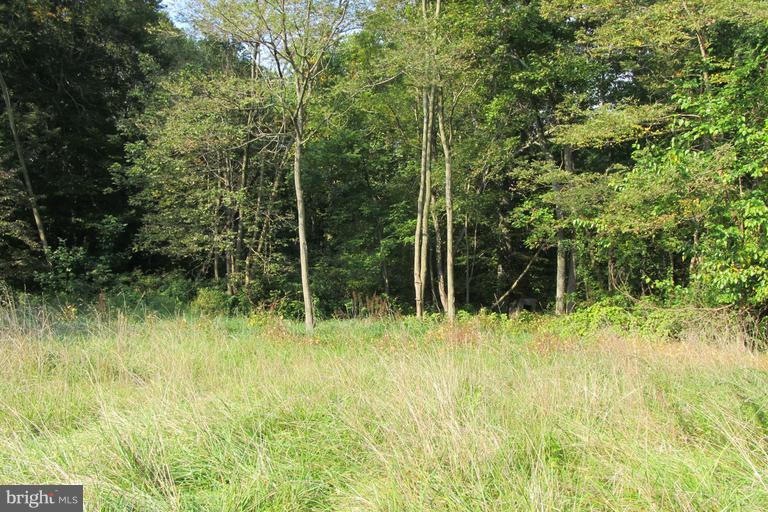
175,8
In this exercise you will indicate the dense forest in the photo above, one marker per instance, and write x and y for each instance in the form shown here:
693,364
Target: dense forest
324,157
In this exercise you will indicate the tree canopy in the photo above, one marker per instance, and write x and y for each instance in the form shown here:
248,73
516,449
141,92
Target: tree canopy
437,155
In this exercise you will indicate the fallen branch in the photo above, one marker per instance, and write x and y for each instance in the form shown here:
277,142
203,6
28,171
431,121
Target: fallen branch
519,278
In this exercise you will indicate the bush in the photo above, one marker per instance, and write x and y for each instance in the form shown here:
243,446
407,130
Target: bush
163,293
211,301
649,320
66,276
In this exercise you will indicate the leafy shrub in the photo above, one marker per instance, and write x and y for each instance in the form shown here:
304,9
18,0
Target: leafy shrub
66,275
163,293
285,306
211,301
650,320
599,315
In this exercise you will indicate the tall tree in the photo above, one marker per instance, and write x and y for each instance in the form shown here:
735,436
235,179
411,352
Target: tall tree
296,38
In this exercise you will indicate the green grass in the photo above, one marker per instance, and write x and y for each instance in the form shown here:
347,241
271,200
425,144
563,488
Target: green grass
196,414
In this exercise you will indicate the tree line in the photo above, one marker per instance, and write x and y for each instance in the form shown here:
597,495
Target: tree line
441,155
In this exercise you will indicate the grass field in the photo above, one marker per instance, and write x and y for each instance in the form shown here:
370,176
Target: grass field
217,414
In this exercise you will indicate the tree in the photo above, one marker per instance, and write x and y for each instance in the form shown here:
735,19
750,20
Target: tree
208,170
295,37
73,73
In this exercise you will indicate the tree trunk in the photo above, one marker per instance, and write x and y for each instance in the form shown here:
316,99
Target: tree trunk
570,167
450,309
309,319
425,219
571,289
421,236
229,262
562,262
439,255
561,273
242,270
466,266
260,247
435,300
385,276
24,171
420,209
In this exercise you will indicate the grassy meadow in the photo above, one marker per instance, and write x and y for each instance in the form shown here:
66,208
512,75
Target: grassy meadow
194,413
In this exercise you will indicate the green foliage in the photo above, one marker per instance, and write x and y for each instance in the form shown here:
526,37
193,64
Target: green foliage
166,293
592,318
211,301
155,152
68,266
607,124
77,71
653,322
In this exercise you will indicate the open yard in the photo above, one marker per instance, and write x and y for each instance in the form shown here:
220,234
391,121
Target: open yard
217,414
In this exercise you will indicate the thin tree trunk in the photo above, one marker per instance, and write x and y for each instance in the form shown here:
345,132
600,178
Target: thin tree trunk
438,255
417,238
704,52
561,274
571,288
427,188
562,262
421,235
268,212
570,167
229,230
425,225
445,140
466,266
385,276
435,300
561,270
309,320
612,270
24,171
517,281
241,271
229,261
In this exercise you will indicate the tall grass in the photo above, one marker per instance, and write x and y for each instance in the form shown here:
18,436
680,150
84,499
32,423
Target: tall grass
217,414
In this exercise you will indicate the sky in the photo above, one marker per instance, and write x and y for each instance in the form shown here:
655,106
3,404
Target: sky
173,7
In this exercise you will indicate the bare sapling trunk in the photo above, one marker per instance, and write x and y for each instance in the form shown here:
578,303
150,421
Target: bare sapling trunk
421,235
438,254
466,255
445,140
417,285
561,274
24,171
309,318
561,271
424,258
571,288
570,167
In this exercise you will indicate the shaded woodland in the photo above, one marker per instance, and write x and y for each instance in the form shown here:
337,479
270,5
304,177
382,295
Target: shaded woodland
328,157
